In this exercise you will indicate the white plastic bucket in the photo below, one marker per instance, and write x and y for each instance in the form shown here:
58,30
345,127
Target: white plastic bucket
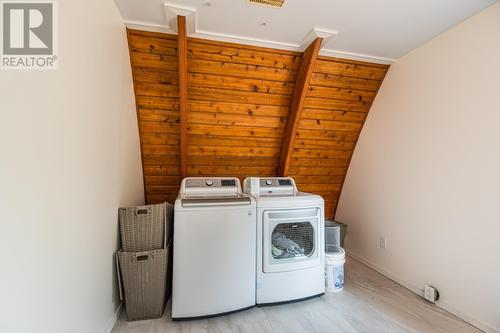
334,268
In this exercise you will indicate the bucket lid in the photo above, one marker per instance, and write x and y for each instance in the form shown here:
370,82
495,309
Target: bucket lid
334,251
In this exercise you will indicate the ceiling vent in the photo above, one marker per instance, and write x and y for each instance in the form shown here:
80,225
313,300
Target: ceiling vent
273,3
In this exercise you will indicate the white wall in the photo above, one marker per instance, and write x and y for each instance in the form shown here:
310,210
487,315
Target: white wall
426,171
70,157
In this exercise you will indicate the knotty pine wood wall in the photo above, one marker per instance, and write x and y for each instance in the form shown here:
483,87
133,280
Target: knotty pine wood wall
238,102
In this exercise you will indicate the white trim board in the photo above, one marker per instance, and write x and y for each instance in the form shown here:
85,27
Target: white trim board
259,42
113,319
420,292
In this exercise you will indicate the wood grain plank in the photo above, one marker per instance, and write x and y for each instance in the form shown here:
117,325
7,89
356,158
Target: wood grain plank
162,180
323,144
240,84
160,139
162,170
235,131
148,102
156,75
151,160
323,114
336,104
318,171
340,93
234,120
224,53
239,70
157,90
232,161
166,116
210,140
229,107
326,135
328,125
319,180
233,151
154,127
158,61
160,150
321,153
349,69
320,187
214,94
232,170
154,45
340,81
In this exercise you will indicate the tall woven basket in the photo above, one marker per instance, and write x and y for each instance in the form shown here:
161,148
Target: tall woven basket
144,262
144,276
142,228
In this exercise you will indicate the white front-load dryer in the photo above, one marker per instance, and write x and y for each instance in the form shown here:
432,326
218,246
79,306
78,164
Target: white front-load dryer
214,248
290,241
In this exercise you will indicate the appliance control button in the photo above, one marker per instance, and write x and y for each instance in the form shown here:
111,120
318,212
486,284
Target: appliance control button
209,183
269,182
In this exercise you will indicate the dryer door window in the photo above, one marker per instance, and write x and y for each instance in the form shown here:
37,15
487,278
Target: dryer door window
291,239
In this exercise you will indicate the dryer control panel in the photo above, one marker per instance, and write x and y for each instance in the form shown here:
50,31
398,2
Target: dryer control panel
269,185
276,182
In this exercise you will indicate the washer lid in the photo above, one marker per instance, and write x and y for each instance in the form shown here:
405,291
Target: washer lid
224,200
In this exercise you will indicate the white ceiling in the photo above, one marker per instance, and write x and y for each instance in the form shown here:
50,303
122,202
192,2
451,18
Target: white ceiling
375,30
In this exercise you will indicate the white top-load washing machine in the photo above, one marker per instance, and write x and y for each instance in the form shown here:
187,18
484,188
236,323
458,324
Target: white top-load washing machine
214,248
290,241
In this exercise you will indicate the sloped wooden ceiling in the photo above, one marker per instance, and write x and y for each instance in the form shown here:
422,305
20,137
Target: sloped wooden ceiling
238,102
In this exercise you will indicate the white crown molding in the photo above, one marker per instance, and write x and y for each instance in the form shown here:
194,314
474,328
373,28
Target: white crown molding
171,12
356,56
317,33
314,33
146,26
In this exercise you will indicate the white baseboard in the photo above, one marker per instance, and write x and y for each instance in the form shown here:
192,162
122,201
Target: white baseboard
443,305
112,321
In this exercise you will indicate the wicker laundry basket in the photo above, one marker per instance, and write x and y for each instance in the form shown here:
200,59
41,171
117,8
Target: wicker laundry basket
144,264
142,228
144,280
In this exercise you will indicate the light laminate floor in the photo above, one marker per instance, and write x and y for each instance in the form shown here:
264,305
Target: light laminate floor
369,302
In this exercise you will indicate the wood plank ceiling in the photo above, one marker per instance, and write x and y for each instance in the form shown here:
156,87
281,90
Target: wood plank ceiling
237,108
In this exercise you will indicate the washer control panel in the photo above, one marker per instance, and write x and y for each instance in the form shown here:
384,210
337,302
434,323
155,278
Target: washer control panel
211,182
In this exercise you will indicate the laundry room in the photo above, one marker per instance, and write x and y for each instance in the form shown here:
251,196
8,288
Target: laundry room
249,166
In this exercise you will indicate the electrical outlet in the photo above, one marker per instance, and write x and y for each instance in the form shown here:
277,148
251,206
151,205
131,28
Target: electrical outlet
383,243
431,294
